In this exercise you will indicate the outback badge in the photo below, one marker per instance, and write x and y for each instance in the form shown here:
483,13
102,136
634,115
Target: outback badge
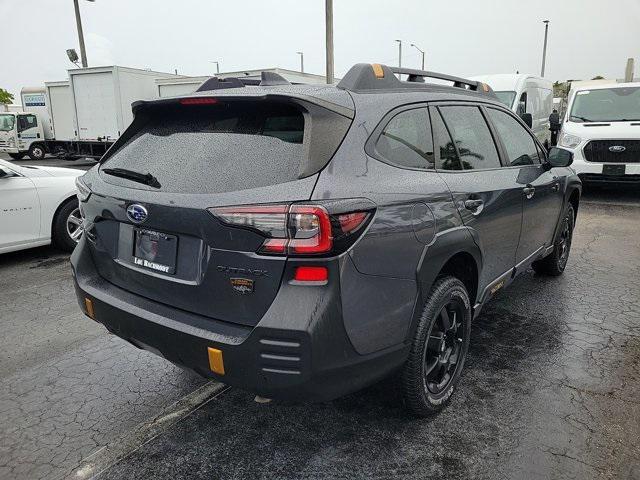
242,285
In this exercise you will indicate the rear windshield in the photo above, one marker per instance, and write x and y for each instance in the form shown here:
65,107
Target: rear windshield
215,148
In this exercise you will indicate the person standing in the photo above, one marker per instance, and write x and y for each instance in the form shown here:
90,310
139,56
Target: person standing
554,126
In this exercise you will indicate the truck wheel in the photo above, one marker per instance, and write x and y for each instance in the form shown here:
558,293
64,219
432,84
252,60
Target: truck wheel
16,156
555,263
37,151
67,226
439,348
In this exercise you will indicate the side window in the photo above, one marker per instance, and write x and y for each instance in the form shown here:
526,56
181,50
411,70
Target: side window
27,121
406,140
447,156
472,137
522,104
520,146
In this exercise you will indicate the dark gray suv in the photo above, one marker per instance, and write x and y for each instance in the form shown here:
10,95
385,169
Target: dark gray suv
302,242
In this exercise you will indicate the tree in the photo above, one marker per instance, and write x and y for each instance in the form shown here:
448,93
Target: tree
5,97
598,77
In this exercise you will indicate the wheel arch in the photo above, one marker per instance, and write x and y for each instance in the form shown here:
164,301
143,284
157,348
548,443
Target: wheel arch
574,200
454,252
54,217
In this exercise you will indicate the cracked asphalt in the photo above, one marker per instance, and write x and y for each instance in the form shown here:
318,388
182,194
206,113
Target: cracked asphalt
551,388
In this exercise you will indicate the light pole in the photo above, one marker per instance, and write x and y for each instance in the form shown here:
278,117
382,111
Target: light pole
399,53
83,52
421,51
217,66
544,48
329,39
301,61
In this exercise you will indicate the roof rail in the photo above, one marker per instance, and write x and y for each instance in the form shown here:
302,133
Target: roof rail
364,77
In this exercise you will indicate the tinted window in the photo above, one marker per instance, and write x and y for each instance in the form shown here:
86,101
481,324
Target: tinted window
27,121
447,157
521,149
219,148
472,137
406,140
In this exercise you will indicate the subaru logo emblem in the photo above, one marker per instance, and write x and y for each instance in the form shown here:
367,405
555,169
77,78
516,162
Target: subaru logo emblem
617,148
137,213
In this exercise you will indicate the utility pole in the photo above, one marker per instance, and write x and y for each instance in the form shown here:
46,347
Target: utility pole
399,53
217,66
544,48
301,61
421,51
329,39
628,73
83,51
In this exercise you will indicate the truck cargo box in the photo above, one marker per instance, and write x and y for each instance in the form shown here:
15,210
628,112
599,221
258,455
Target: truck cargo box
102,97
60,106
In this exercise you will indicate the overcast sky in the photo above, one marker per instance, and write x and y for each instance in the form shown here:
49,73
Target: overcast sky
462,37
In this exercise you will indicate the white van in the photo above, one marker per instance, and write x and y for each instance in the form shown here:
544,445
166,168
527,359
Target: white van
602,129
525,94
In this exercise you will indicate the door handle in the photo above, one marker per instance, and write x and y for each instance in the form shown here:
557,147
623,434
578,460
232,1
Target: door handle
529,191
473,205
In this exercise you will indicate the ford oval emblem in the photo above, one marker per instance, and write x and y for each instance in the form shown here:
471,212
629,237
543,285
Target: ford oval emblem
137,213
617,148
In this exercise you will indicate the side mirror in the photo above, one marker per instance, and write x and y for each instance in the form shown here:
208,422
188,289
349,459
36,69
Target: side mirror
527,118
559,157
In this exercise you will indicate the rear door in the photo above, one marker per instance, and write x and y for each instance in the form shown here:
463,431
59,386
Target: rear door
95,100
541,191
487,196
162,242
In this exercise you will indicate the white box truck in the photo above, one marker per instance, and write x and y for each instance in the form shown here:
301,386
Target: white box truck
78,118
525,94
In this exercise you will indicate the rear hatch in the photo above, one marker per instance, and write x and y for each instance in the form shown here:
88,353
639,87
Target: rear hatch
158,238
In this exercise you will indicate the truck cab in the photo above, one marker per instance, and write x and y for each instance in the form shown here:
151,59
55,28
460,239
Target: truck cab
602,129
21,134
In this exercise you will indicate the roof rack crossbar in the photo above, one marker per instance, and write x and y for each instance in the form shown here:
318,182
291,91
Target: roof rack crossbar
420,75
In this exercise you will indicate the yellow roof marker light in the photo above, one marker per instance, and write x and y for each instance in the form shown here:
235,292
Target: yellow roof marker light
216,363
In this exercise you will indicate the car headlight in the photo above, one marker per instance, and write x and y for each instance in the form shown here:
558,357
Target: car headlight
569,141
83,191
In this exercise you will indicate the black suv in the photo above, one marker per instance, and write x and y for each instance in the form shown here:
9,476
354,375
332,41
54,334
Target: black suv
303,242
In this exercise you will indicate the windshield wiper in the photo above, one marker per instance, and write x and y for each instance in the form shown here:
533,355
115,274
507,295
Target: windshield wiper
581,118
145,178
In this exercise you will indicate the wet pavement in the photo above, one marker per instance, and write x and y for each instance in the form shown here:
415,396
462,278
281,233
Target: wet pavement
551,388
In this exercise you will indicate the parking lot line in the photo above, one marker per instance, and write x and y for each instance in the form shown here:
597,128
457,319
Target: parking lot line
121,447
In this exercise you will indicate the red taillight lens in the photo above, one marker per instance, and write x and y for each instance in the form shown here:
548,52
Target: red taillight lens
292,229
198,101
311,274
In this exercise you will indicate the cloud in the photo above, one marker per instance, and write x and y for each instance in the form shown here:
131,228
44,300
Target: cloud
99,50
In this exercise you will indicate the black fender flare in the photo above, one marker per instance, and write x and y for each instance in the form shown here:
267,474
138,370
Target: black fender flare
434,257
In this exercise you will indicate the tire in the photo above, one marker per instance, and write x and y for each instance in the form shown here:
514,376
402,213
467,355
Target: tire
555,263
37,151
66,225
429,377
16,156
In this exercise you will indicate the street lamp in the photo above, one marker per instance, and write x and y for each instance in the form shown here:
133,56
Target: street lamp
301,61
544,48
217,66
421,51
399,53
83,51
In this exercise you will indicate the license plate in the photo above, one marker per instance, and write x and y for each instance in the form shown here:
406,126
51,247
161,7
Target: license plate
155,250
613,169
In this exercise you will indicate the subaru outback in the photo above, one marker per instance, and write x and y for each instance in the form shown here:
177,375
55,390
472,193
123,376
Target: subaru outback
302,242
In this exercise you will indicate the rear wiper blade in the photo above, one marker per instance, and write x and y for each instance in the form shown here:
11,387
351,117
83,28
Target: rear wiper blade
145,178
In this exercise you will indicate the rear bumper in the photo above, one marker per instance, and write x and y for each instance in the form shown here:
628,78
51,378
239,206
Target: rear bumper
298,351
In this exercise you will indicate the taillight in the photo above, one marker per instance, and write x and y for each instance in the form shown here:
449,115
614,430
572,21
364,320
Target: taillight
293,229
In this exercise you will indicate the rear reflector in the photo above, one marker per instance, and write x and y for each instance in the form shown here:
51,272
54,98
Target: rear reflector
311,274
198,101
216,363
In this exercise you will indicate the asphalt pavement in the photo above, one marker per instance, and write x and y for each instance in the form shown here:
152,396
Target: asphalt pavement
551,388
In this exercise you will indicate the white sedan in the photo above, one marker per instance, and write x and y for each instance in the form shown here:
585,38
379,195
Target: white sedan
38,206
